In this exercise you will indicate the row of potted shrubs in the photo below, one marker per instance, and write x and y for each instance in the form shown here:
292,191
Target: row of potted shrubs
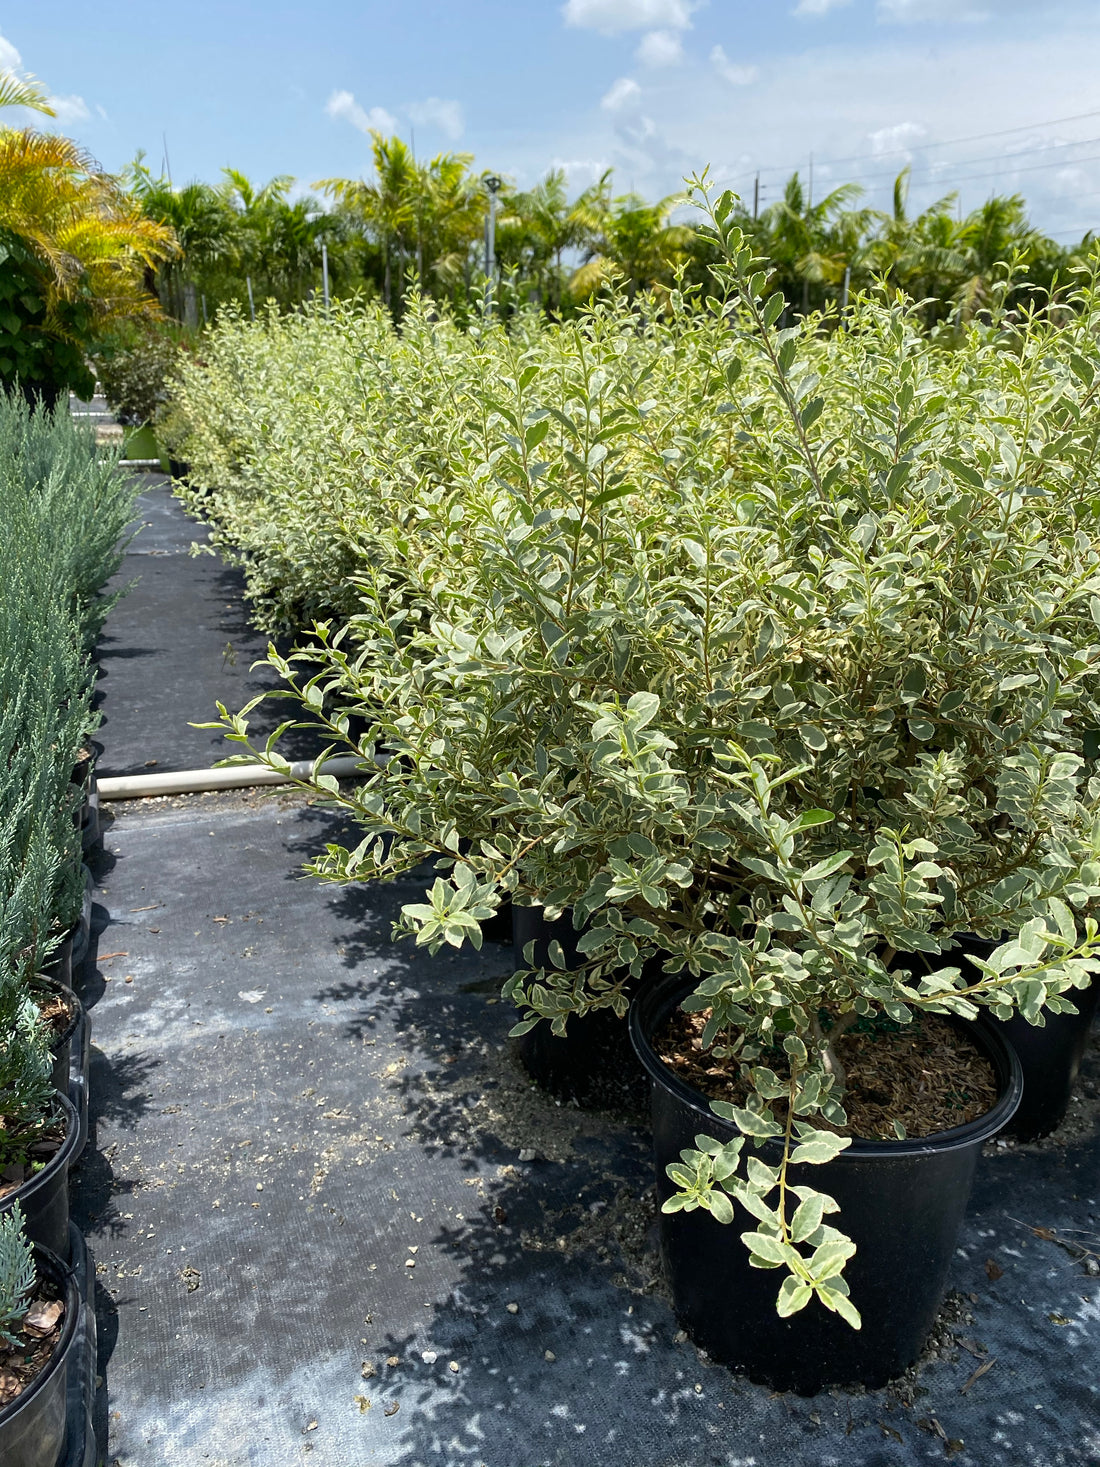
64,512
763,658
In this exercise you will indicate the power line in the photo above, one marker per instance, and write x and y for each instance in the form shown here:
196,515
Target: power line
1007,159
976,137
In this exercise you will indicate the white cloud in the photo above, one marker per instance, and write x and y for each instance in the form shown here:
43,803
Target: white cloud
102,111
843,100
610,17
660,48
436,112
344,105
10,59
896,140
737,76
818,7
907,12
1069,182
70,109
582,170
623,93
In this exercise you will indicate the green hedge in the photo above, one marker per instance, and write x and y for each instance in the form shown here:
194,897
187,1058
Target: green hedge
64,509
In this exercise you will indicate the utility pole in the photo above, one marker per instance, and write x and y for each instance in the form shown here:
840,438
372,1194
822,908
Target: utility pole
324,272
847,283
756,195
493,185
251,301
810,200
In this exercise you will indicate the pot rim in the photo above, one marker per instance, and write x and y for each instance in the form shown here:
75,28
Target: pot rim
72,1001
63,1274
654,1002
62,1157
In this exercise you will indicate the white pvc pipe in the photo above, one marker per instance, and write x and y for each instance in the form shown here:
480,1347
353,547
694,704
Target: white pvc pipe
236,776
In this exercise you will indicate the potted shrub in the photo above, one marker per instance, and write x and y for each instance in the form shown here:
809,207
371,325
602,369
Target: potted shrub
762,651
39,1128
39,1312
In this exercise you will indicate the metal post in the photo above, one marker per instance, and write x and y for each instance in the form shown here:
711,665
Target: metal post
324,271
847,282
203,299
492,184
756,197
251,302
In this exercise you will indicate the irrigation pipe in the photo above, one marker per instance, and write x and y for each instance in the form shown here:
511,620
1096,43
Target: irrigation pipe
236,776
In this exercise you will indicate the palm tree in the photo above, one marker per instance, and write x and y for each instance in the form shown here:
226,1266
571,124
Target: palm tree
385,207
205,228
537,227
997,242
634,240
428,213
24,91
922,256
811,244
77,245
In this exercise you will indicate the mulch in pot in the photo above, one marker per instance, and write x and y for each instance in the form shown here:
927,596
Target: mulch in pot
26,1161
38,1335
55,1013
927,1075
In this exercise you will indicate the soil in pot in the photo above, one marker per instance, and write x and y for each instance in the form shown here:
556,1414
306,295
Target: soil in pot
59,1009
592,1064
928,1076
1050,1055
901,1201
34,1375
36,1175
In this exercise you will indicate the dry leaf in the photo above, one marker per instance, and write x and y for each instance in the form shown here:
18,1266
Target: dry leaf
392,1410
993,1270
977,1375
41,1318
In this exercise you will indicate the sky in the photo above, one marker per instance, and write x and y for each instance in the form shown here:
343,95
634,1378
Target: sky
977,96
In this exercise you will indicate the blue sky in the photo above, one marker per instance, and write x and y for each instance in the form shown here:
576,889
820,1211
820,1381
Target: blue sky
974,94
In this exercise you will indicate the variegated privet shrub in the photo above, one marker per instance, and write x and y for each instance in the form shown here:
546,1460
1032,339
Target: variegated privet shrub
767,653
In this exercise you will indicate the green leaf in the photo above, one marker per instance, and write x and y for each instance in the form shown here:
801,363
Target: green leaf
721,1207
810,818
828,867
793,1296
643,708
819,1148
774,307
807,1218
751,1124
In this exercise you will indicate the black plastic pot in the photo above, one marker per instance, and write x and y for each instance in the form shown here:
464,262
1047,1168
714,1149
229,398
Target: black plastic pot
1050,1057
592,1063
902,1202
45,1198
60,966
70,1052
34,1427
82,928
80,1448
89,816
61,1044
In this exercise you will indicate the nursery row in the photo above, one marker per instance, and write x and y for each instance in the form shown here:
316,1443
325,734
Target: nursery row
64,513
762,658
